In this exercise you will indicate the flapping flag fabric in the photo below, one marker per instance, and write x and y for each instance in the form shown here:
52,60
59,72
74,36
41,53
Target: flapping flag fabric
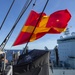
55,23
58,21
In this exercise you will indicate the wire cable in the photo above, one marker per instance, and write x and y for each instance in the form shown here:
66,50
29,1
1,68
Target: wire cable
7,14
28,2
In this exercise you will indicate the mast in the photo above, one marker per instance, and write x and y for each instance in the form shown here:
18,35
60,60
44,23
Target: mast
7,14
28,2
57,55
35,26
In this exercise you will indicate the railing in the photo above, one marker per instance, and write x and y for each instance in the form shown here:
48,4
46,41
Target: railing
10,71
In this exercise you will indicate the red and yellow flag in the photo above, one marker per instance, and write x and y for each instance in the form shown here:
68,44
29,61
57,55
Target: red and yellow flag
58,21
55,23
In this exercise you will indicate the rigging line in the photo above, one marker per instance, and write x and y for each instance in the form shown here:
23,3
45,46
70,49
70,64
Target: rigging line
35,26
7,14
19,17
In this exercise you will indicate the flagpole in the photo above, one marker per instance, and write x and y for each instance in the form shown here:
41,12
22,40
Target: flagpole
28,2
7,14
35,26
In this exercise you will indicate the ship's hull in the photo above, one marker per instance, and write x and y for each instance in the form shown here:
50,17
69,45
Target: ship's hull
62,72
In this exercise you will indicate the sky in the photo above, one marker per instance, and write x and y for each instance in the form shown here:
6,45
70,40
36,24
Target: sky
49,40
